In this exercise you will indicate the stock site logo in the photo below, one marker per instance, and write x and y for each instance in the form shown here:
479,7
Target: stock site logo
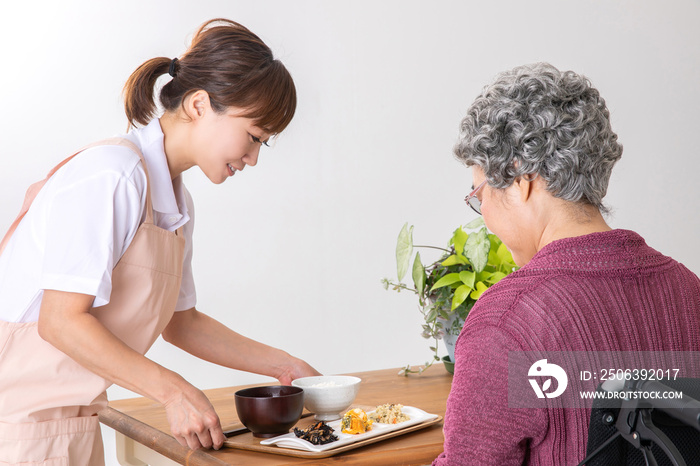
542,369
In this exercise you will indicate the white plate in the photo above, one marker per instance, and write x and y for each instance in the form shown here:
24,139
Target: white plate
290,440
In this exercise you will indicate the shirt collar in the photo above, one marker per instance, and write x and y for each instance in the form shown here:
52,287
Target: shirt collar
167,196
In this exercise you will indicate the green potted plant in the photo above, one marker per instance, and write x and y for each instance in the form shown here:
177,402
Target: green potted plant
447,289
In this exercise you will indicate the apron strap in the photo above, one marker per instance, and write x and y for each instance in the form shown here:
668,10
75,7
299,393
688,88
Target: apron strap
34,189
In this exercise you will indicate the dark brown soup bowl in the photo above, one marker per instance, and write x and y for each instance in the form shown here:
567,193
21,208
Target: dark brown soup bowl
269,411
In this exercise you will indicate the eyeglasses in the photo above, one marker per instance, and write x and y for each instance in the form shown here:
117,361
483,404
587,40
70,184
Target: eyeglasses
473,201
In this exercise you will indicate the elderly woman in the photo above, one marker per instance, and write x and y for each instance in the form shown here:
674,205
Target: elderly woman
541,150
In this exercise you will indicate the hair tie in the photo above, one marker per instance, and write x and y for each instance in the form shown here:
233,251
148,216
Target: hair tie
173,63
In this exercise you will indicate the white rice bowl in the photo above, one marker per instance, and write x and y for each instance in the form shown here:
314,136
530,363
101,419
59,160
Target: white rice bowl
328,396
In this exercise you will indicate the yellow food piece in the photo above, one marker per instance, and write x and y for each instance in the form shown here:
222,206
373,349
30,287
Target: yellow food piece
355,421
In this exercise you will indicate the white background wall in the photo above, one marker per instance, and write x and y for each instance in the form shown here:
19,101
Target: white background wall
291,252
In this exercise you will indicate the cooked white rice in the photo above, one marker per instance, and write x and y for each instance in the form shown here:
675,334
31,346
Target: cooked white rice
325,384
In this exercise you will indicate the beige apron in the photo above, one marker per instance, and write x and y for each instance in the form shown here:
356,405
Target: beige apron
48,402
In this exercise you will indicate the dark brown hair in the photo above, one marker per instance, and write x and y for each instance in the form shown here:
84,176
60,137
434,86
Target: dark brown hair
231,64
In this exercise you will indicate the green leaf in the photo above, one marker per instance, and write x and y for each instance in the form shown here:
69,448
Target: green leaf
496,277
504,254
448,279
476,223
494,260
459,238
432,315
454,259
467,278
495,241
477,249
418,274
461,294
404,250
480,288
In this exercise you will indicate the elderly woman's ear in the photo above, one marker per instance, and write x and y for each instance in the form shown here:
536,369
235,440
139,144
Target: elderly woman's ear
525,185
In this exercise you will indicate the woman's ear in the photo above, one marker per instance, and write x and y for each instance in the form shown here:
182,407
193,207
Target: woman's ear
526,186
197,104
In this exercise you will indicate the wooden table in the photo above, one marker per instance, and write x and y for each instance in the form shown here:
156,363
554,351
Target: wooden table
143,436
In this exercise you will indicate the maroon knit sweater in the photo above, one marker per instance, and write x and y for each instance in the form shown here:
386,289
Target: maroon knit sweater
600,292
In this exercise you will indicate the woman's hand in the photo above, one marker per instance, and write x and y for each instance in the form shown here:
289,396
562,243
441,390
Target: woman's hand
66,323
296,369
193,421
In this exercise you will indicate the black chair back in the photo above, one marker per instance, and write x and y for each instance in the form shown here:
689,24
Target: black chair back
622,453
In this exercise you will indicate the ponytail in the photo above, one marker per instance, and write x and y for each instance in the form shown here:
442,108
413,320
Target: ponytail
139,102
233,65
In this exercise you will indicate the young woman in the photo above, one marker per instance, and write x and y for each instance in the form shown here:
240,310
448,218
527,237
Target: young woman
99,262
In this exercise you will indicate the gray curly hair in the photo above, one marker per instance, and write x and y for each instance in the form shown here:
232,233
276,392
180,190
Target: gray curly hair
536,119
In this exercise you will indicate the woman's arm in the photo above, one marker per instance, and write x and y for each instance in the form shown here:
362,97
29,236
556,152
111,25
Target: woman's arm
208,339
64,321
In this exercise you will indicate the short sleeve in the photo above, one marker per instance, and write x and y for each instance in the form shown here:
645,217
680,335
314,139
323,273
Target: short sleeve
187,298
479,425
95,206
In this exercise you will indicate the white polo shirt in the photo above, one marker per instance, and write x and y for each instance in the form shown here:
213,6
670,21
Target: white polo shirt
83,220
